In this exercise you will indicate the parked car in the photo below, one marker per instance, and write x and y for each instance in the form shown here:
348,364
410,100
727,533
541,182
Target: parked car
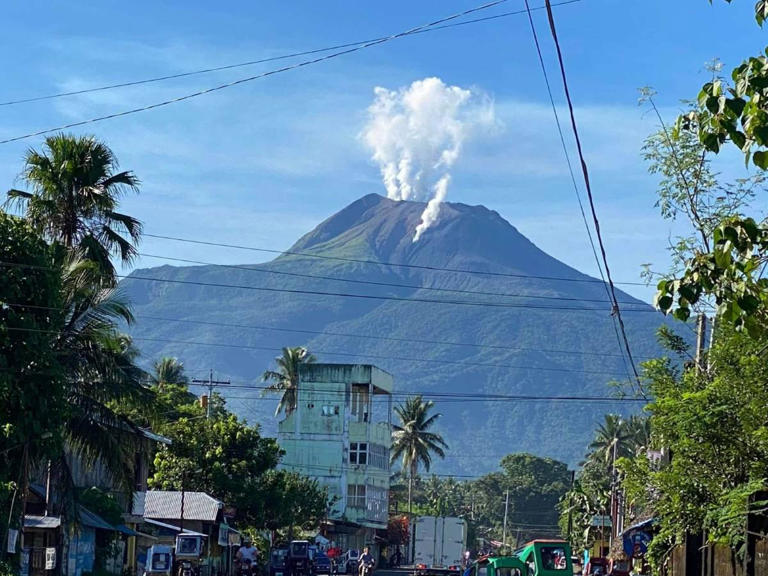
348,564
321,563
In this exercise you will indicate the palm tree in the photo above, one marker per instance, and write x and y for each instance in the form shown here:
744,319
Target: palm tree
169,371
286,378
412,441
639,434
103,380
611,439
75,186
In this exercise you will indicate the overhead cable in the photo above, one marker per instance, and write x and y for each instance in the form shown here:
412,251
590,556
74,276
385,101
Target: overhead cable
255,77
588,186
126,84
573,179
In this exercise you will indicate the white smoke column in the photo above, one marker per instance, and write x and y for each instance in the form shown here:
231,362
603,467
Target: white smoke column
429,216
416,134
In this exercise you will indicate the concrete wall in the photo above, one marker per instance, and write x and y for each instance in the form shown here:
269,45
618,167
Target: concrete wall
330,428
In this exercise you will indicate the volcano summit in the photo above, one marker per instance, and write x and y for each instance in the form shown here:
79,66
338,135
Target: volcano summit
472,308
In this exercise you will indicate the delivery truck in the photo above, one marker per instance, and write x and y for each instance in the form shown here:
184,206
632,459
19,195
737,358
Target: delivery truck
437,544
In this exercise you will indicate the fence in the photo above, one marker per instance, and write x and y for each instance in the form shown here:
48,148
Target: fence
693,559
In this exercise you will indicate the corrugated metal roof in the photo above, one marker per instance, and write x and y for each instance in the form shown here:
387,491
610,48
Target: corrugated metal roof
42,522
162,504
147,433
174,528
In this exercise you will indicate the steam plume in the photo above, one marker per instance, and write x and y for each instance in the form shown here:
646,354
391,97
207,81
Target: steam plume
416,133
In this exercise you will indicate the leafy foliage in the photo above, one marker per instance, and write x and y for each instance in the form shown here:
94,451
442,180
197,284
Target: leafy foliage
729,268
615,438
535,487
75,188
288,499
103,380
32,387
286,378
412,440
221,456
714,426
102,503
228,459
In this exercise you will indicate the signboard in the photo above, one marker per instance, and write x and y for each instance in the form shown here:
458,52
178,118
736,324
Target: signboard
13,536
601,521
234,539
636,543
50,558
223,535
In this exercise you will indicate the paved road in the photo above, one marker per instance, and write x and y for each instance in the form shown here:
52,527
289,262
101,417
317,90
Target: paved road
390,572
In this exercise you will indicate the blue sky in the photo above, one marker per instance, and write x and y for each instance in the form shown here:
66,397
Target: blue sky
262,163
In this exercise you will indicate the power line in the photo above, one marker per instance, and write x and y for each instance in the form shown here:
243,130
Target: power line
334,353
586,278
466,398
257,76
573,176
444,397
588,187
260,61
472,396
366,336
346,295
337,334
251,268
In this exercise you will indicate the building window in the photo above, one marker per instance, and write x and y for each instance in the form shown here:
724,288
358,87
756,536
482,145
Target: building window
358,453
329,410
378,457
359,402
356,495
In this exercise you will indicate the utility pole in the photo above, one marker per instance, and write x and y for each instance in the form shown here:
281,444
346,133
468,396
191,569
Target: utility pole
506,511
211,383
701,333
570,507
614,507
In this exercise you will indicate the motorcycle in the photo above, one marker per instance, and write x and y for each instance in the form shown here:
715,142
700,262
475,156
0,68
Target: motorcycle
186,568
366,568
247,568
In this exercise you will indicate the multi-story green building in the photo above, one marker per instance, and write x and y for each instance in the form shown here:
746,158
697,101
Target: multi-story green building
340,433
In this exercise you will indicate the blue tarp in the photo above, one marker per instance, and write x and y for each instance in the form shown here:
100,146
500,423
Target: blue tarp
88,518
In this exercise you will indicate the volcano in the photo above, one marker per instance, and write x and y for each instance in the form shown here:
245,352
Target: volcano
472,308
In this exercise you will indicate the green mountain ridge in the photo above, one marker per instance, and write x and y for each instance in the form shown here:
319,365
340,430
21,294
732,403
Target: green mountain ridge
529,346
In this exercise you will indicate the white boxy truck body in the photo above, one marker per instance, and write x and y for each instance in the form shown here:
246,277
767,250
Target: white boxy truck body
438,541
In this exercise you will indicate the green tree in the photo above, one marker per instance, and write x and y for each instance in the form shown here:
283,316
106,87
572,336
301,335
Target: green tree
32,386
412,441
74,191
286,378
103,380
169,371
612,439
535,486
221,456
713,423
289,500
730,271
